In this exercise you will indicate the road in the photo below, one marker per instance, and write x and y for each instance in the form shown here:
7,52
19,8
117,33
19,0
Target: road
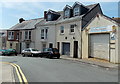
38,69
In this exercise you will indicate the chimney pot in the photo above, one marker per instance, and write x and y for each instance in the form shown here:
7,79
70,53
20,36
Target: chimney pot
21,20
45,14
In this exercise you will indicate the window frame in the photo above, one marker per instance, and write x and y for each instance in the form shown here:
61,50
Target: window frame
76,13
42,34
62,30
67,13
28,35
11,35
49,16
72,29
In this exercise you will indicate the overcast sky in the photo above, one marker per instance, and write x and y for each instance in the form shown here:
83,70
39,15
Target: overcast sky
10,12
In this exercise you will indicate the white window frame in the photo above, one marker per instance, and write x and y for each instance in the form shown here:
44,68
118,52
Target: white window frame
61,29
67,12
11,35
17,35
28,35
42,34
76,11
72,29
49,16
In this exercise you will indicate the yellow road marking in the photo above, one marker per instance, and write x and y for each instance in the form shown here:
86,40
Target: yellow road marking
18,74
23,76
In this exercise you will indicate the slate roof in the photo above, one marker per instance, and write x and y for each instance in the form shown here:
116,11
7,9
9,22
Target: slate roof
77,17
67,6
27,24
54,12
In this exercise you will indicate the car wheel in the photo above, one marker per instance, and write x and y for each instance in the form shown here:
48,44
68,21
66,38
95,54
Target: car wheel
58,57
32,55
23,55
50,56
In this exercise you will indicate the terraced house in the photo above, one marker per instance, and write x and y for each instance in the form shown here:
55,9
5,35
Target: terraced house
22,35
46,30
70,25
72,30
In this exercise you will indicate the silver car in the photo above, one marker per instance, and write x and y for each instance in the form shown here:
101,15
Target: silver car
30,52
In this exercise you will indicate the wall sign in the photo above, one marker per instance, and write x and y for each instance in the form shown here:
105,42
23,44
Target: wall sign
101,29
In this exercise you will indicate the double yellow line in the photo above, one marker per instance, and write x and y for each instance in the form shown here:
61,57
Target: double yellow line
21,76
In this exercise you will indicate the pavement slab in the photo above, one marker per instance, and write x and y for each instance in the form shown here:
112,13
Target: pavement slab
6,73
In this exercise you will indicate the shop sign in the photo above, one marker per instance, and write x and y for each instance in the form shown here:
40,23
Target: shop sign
101,29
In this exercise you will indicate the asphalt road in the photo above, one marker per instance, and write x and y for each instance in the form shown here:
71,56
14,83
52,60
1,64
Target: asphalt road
59,70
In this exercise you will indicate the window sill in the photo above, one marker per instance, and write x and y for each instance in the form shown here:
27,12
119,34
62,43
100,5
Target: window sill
72,33
61,33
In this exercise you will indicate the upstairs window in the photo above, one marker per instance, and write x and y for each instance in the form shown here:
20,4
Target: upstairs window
72,28
20,35
17,37
42,33
61,29
46,33
76,11
49,17
27,35
10,35
66,13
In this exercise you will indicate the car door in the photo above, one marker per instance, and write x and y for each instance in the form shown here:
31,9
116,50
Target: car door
28,52
25,51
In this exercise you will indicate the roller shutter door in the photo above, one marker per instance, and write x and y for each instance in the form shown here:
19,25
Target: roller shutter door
99,46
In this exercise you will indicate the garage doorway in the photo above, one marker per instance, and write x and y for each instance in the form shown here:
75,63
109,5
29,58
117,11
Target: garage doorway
99,46
65,48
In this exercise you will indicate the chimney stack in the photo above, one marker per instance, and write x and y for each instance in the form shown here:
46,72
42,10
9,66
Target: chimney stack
21,20
45,14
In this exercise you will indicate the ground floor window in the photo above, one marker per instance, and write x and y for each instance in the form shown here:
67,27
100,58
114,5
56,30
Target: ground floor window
43,45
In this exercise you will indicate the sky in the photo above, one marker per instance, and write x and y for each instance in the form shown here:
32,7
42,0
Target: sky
12,10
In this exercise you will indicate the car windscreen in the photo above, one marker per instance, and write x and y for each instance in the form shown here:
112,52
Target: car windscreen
35,50
47,49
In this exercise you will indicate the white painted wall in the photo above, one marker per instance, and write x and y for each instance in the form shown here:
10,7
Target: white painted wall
51,36
61,37
101,21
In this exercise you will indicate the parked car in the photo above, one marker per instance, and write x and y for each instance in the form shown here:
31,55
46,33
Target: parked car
2,51
30,52
10,52
50,53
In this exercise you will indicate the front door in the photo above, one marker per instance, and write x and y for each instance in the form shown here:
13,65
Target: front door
75,49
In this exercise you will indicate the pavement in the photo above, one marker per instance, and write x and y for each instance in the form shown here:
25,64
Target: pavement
7,75
93,62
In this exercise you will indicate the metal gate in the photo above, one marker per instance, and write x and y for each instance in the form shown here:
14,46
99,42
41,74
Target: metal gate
99,46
